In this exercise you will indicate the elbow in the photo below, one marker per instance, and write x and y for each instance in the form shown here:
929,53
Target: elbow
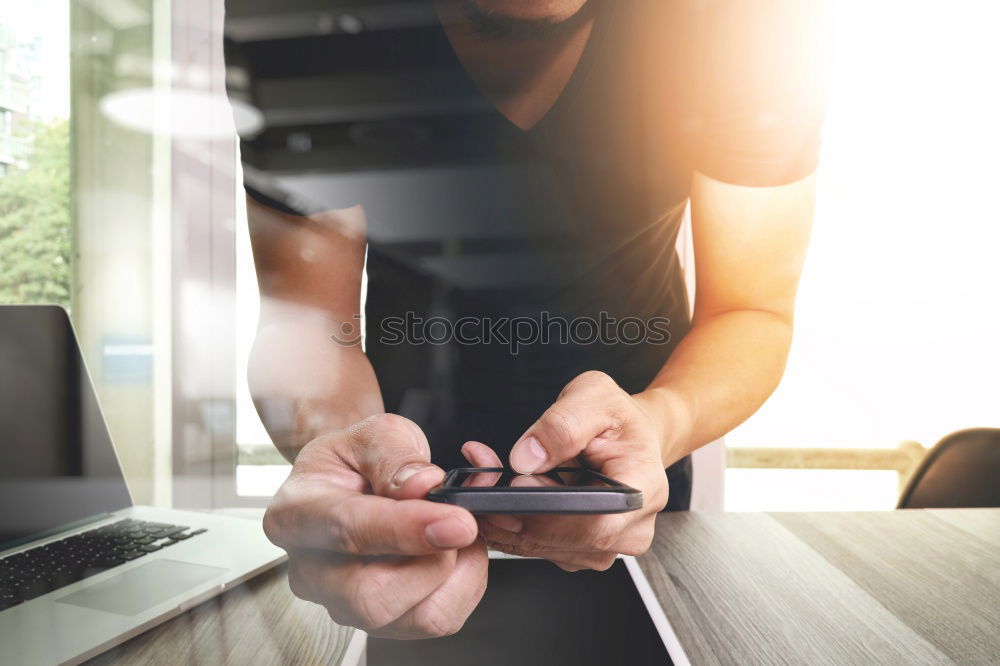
779,318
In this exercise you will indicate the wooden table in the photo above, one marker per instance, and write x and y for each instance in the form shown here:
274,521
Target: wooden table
902,587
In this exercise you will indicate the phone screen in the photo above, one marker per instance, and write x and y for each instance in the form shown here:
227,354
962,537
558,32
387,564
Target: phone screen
535,614
560,477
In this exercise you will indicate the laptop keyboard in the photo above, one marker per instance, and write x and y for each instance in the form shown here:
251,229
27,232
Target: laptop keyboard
34,572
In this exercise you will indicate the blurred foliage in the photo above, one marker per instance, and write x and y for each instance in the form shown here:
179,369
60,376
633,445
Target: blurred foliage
35,223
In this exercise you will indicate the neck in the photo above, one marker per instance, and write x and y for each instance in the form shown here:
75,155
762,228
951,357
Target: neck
490,26
522,78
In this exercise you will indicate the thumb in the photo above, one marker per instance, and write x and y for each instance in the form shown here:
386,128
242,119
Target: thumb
590,407
392,454
563,432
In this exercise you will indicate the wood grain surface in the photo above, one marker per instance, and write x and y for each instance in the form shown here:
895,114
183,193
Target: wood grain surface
900,587
981,523
943,582
259,622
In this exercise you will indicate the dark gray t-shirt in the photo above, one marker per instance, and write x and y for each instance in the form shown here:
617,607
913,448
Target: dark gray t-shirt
503,262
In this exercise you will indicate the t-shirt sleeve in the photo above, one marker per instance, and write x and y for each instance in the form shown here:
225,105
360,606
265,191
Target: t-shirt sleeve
763,91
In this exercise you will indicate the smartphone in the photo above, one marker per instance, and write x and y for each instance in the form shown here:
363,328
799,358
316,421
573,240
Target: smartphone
561,490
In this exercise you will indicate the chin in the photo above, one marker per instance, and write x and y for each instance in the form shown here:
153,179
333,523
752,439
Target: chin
530,10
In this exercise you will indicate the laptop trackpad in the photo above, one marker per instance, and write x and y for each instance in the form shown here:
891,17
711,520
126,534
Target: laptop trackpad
135,591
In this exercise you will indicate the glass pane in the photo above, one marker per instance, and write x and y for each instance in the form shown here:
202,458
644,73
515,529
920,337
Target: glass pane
894,339
84,206
892,323
260,468
34,153
811,490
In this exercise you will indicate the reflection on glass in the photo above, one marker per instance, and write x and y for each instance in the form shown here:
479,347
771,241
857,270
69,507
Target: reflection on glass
561,477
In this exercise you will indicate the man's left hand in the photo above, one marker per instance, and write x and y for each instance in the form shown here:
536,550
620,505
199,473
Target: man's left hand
596,424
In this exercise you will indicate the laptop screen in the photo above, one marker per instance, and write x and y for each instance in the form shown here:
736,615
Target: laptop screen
57,463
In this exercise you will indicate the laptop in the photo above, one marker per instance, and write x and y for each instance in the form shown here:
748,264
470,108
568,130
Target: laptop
82,568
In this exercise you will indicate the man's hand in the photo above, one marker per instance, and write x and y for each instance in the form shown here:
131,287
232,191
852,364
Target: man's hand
595,423
361,544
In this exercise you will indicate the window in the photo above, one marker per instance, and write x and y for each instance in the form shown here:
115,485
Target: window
34,155
78,201
260,468
896,326
125,103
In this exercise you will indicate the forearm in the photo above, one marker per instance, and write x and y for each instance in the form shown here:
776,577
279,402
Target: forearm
718,376
305,383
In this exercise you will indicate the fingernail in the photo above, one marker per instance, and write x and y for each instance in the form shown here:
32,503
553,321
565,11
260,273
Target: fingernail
528,455
406,472
509,523
447,533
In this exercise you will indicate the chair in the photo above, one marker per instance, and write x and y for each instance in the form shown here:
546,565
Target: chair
961,471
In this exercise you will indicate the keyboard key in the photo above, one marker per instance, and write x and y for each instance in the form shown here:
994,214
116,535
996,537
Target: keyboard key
132,554
200,530
64,578
181,537
9,602
32,589
150,547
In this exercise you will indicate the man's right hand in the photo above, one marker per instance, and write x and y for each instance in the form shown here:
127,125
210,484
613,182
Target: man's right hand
363,545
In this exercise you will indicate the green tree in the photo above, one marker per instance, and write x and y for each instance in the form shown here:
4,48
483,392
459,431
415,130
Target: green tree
35,223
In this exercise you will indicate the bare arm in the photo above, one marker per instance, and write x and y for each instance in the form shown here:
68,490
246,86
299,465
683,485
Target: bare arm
305,378
750,245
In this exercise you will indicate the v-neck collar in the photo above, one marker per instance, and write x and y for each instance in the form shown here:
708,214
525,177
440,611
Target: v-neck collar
602,16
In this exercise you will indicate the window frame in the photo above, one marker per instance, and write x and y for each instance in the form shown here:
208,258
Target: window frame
203,238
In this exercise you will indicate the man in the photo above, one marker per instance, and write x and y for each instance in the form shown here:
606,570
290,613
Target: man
603,120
